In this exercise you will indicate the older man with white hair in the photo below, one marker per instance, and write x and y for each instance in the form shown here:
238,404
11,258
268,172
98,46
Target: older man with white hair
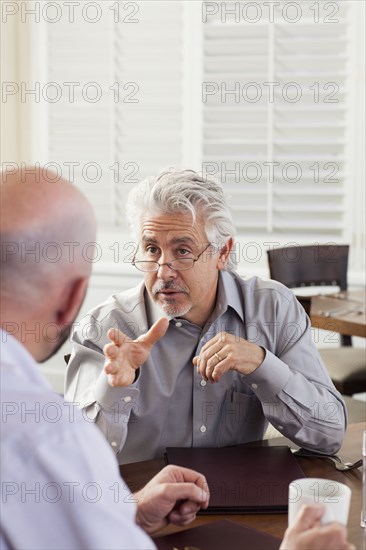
196,355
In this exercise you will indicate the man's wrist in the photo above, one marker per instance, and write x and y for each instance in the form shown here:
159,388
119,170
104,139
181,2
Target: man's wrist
257,359
148,527
262,355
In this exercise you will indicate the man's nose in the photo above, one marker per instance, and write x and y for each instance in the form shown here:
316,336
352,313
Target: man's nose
165,272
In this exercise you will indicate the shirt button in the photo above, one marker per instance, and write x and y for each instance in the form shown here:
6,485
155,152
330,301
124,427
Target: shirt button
127,399
254,386
203,429
203,383
114,443
280,427
178,324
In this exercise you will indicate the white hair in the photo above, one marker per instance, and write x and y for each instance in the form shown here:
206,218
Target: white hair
184,191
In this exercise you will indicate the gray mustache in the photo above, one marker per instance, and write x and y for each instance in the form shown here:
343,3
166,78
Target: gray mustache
169,285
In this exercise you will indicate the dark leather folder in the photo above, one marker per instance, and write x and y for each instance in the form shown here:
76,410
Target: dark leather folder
217,536
242,479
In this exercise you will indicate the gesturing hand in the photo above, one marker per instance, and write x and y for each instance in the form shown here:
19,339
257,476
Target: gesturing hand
174,495
227,352
124,356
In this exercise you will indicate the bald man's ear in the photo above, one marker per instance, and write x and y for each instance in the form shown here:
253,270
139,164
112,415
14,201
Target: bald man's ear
224,254
72,299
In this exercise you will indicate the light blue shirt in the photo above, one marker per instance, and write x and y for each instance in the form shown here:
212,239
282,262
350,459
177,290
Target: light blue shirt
60,483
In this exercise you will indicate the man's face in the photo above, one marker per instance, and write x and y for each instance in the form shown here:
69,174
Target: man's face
191,293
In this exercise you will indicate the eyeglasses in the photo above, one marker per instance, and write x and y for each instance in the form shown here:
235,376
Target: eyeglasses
180,264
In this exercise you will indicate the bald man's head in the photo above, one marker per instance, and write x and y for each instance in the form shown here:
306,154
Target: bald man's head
47,235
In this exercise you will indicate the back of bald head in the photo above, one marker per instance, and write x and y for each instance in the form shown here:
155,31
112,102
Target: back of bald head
47,232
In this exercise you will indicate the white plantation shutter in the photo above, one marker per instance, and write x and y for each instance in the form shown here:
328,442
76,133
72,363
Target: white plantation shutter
135,128
235,131
192,93
80,131
298,147
148,130
315,56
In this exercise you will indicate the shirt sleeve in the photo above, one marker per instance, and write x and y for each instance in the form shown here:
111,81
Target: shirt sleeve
296,392
87,384
68,494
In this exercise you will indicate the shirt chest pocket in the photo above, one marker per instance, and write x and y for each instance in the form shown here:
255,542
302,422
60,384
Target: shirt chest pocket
241,419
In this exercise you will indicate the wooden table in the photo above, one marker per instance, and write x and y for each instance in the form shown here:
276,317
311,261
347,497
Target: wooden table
139,473
344,312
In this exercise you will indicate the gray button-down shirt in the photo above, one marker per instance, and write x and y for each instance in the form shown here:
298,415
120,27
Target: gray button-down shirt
170,405
56,493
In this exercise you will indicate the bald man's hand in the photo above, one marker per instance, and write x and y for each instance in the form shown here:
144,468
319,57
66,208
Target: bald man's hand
174,495
124,356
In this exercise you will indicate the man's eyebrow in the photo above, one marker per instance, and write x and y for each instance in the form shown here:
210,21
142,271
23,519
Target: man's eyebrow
175,240
147,239
178,240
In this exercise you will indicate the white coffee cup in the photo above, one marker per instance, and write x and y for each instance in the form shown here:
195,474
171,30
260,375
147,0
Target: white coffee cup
312,490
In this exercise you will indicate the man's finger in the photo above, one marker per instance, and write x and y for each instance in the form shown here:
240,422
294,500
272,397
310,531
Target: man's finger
156,332
220,369
188,508
177,518
110,350
187,491
181,474
117,336
308,516
336,532
219,338
111,367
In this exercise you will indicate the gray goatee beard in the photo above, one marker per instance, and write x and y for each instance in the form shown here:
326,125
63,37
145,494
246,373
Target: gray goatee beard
175,311
172,310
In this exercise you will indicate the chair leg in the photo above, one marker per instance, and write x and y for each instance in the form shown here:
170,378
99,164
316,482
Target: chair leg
346,340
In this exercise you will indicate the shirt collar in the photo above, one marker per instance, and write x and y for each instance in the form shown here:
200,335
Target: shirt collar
227,296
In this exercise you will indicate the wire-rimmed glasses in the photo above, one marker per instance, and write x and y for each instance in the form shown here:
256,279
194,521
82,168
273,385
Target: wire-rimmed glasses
179,264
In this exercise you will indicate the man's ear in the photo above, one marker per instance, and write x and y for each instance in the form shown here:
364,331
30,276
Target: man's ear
224,254
73,297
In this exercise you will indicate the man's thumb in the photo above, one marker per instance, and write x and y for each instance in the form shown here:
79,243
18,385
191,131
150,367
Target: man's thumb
156,332
309,515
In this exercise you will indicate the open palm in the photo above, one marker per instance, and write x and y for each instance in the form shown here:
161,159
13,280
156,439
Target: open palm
124,356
